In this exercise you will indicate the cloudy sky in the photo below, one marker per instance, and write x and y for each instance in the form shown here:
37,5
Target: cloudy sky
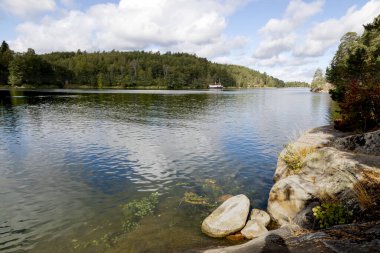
286,38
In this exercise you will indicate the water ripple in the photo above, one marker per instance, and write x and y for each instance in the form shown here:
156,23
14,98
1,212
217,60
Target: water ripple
68,159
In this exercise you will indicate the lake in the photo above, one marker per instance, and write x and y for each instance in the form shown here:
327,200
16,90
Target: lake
71,161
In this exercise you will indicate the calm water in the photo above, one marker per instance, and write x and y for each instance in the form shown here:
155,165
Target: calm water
69,161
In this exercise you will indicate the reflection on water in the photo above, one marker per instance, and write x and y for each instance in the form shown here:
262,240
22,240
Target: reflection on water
69,160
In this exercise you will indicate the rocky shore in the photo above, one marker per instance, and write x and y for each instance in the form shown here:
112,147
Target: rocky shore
325,88
325,198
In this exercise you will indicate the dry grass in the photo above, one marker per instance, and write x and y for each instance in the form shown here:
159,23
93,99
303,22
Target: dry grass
327,197
364,198
294,157
367,190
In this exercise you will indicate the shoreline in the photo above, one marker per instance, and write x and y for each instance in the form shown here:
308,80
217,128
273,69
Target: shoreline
85,87
294,194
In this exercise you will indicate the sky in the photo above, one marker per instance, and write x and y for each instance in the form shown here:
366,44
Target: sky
288,39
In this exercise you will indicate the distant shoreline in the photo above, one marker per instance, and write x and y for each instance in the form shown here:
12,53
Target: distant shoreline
87,87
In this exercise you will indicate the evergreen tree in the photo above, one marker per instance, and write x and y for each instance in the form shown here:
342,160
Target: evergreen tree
6,56
355,72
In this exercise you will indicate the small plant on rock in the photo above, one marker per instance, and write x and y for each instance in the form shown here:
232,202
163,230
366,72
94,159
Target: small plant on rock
330,214
294,157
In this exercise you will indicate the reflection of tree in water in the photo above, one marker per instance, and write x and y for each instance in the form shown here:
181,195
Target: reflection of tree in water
275,244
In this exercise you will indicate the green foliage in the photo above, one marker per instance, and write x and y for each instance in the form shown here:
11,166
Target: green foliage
296,84
15,73
125,69
30,68
248,78
355,72
294,157
137,209
319,79
330,214
6,56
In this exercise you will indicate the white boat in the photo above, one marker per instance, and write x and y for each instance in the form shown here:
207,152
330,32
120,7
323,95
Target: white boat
215,86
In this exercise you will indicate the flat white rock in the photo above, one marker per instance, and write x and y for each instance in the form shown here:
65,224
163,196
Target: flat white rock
228,218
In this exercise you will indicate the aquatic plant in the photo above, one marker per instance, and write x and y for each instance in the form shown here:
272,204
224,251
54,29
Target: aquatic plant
182,184
294,157
211,188
195,199
137,209
329,214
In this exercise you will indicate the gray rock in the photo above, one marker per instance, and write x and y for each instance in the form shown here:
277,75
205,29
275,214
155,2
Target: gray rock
253,229
347,246
260,216
305,218
338,239
228,218
272,241
368,143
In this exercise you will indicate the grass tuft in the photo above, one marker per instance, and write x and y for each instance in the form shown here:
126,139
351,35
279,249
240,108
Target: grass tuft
294,157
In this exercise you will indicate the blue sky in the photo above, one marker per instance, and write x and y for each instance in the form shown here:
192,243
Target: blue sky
285,38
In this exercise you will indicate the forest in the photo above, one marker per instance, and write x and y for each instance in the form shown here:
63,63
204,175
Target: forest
116,69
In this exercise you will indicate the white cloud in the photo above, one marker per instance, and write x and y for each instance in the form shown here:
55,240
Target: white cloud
136,25
284,60
275,46
27,7
279,35
326,34
289,54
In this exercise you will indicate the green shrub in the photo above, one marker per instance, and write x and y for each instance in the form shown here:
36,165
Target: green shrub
330,214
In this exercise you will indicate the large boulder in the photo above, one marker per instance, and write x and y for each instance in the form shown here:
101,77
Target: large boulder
253,229
326,173
315,138
228,218
288,197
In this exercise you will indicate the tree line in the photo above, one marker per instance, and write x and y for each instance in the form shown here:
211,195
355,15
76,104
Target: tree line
126,70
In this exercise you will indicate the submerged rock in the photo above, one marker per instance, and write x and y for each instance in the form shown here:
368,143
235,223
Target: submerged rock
253,229
224,197
260,216
236,237
228,218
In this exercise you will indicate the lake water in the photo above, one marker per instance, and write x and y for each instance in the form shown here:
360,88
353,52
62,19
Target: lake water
70,160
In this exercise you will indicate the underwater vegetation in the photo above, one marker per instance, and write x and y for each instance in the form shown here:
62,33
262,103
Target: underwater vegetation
132,213
195,199
138,209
